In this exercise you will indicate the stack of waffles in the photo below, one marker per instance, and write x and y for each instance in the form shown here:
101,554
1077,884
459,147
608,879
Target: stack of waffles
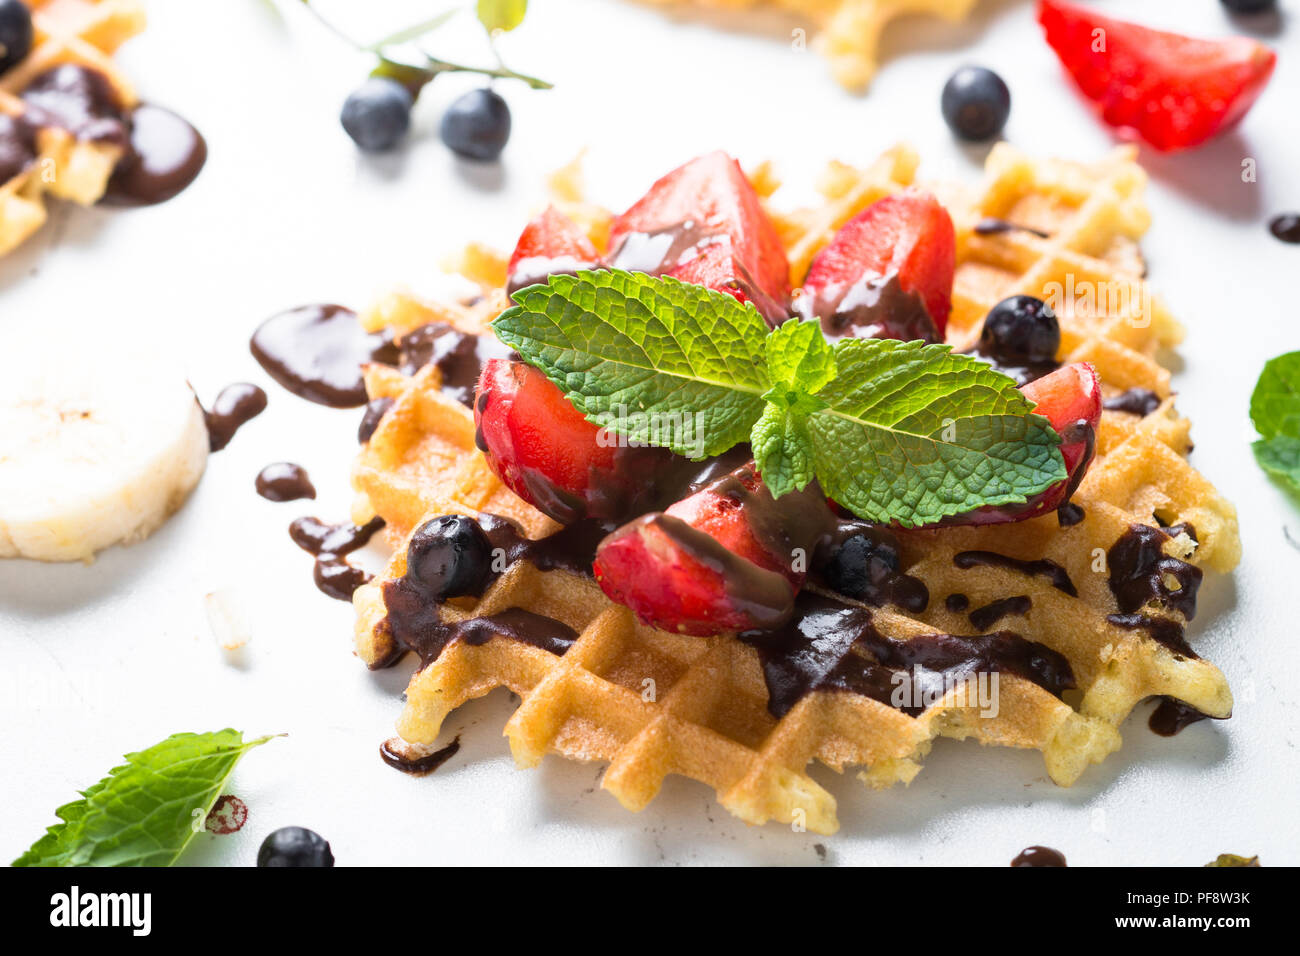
85,32
652,703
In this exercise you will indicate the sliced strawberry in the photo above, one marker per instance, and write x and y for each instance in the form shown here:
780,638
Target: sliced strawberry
547,452
728,558
688,213
887,273
1174,91
1069,398
551,244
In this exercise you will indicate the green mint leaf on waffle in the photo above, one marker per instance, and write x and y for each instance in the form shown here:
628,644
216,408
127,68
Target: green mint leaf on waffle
659,361
895,431
145,812
1275,411
913,433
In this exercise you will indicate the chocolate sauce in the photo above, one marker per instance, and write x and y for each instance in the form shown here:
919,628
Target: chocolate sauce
416,766
1039,856
1286,227
1059,577
162,153
284,481
537,269
512,624
1139,568
375,410
165,155
982,618
17,146
1014,366
331,544
1135,401
956,603
1171,716
991,226
458,356
234,406
829,645
1069,514
873,307
317,352
1162,630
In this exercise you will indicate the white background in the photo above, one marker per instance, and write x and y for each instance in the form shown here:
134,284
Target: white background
108,658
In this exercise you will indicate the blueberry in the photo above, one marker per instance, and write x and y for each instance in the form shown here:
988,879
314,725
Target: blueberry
15,32
477,125
1020,330
451,556
861,564
975,103
377,113
295,846
1249,6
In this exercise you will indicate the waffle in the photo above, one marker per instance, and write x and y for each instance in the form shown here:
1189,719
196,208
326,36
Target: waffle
651,703
85,32
848,31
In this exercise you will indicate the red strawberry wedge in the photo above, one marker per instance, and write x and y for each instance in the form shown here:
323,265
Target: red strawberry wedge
1069,398
1173,91
887,273
728,558
547,453
551,244
704,223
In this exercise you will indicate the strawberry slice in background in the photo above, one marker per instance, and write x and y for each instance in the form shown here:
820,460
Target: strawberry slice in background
723,559
1173,91
549,245
706,210
887,273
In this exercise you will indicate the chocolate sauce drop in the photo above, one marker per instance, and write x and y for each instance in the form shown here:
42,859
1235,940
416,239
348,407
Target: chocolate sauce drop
234,406
1069,514
284,481
1139,569
1135,401
317,352
991,226
165,155
1039,856
956,603
1171,716
982,618
1286,227
331,544
1059,577
417,766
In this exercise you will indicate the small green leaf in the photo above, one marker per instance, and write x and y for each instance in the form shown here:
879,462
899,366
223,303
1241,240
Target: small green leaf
914,434
144,812
661,361
1275,403
783,450
799,356
502,15
1280,457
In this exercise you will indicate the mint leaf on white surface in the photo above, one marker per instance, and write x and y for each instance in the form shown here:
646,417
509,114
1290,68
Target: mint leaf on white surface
914,433
1275,411
635,354
143,813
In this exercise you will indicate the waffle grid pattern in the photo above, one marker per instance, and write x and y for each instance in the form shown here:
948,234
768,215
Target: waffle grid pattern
652,703
86,32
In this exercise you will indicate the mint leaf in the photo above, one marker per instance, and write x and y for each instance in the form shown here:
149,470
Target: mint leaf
502,15
1280,457
799,360
1275,403
661,361
143,813
783,450
914,433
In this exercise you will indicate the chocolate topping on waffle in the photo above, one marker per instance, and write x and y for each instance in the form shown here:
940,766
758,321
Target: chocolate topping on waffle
80,100
317,351
1059,577
458,356
1141,572
1135,401
390,751
370,420
1162,630
832,645
982,618
992,226
1171,716
17,146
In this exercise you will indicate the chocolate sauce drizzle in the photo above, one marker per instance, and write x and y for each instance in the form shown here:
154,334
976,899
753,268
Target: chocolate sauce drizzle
375,411
1135,401
1162,630
1139,568
17,146
1069,514
284,481
317,353
873,307
830,645
982,618
1039,856
458,356
991,226
391,753
1286,227
1059,577
234,406
1171,716
331,544
956,603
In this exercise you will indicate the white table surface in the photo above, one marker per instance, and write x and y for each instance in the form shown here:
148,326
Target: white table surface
101,659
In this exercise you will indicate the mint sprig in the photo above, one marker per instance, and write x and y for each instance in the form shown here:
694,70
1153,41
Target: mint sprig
144,812
1275,411
897,432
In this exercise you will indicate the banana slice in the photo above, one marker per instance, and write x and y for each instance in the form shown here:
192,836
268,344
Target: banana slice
93,452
